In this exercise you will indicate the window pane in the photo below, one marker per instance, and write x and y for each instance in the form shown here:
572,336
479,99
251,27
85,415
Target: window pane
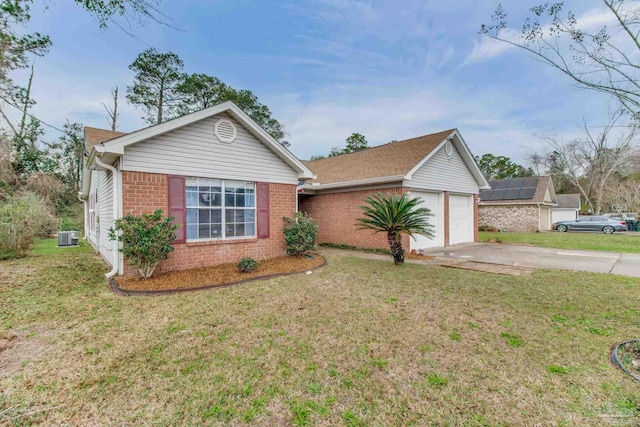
192,198
216,216
216,199
240,200
216,231
192,232
204,216
230,232
229,199
192,187
250,229
249,201
192,216
204,231
250,215
240,215
204,199
240,230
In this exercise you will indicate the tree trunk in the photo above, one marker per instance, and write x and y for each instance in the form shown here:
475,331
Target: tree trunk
160,104
395,244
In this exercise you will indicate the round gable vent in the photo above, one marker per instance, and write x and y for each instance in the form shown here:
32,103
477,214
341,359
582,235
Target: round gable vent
448,149
224,130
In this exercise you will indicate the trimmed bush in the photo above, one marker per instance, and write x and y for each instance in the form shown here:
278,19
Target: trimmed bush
300,234
247,265
23,217
146,239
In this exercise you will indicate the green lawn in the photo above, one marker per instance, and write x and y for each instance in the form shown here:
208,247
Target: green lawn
587,241
358,342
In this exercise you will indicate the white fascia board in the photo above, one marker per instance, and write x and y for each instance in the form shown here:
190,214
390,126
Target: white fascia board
470,161
117,145
426,159
356,183
86,174
465,153
517,203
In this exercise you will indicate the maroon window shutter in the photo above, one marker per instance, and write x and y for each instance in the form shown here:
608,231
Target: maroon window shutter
263,209
177,206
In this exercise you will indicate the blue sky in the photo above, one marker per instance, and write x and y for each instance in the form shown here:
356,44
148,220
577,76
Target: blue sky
387,69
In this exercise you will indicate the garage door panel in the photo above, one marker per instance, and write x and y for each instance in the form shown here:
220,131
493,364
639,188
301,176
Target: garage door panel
461,221
434,202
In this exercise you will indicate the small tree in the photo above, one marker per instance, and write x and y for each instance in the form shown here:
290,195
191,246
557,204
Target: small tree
23,217
300,234
395,214
146,239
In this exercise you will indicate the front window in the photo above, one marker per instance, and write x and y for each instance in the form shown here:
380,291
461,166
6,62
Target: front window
218,209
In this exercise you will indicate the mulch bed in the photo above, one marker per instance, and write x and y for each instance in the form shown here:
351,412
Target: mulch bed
219,275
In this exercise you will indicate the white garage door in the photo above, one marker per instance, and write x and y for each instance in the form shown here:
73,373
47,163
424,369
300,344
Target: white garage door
433,201
564,215
460,219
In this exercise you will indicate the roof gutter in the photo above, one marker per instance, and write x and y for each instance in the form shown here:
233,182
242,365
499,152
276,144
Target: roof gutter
116,246
355,183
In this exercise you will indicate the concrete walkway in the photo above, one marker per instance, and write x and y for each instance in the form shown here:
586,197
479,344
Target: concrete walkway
519,259
559,259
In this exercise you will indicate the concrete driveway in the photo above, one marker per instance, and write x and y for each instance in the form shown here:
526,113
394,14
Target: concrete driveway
529,256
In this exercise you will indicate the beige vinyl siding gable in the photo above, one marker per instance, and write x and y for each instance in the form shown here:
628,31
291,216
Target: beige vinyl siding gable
194,150
444,174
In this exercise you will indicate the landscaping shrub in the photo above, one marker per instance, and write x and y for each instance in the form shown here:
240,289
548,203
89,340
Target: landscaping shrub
487,228
146,239
22,218
247,265
300,234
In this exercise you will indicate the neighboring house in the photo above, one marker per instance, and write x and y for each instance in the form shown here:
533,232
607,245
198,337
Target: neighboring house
438,168
567,209
224,179
518,204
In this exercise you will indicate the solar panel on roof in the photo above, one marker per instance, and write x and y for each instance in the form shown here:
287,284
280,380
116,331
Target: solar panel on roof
530,182
511,194
527,193
516,183
500,185
487,195
500,194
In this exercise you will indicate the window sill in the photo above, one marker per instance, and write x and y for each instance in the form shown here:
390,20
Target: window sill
221,242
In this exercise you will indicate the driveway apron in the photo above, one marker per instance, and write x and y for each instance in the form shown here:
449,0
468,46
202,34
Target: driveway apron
534,257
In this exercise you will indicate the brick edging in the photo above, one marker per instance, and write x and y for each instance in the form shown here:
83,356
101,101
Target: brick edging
113,285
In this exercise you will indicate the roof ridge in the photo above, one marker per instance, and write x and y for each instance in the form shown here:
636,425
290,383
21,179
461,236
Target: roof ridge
382,145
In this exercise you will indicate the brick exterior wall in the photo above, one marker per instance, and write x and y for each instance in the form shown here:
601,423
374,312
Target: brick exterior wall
521,219
337,213
146,192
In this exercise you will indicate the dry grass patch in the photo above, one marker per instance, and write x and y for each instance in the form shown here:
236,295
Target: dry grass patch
360,342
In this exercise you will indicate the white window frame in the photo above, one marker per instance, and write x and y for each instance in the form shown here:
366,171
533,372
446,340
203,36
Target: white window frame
223,208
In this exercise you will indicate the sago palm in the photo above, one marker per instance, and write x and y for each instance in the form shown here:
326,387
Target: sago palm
396,214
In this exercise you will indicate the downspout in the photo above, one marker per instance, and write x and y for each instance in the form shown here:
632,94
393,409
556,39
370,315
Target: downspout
84,219
116,245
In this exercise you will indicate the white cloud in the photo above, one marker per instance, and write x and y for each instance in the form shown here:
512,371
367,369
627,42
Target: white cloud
488,48
399,111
